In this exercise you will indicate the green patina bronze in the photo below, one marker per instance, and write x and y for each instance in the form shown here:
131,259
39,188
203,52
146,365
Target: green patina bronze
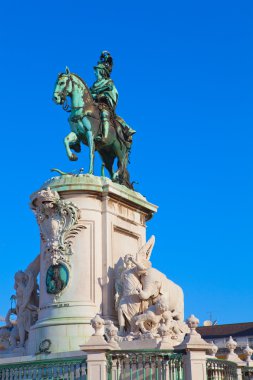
57,278
47,369
93,120
144,364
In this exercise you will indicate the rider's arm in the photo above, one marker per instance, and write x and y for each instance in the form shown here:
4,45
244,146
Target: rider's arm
108,86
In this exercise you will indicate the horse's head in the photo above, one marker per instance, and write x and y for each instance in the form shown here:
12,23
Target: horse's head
63,87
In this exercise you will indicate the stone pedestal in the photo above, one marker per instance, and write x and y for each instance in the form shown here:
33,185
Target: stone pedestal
195,349
114,220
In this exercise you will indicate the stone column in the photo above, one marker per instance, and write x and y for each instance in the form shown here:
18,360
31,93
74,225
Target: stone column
195,349
87,225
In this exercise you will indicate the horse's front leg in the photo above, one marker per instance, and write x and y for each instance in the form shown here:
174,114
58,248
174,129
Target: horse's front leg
90,141
71,138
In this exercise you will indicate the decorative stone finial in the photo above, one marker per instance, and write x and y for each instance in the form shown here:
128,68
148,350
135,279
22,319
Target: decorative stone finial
98,324
111,332
193,339
231,345
192,323
248,352
213,349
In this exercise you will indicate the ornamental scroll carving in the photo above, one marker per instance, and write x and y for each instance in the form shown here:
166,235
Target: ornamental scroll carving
59,223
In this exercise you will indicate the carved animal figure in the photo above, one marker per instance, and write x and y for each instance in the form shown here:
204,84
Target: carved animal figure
155,284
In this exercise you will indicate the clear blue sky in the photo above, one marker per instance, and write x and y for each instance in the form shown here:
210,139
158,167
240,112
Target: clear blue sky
184,74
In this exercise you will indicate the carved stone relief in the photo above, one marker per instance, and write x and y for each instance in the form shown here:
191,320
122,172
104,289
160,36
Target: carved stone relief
59,223
148,304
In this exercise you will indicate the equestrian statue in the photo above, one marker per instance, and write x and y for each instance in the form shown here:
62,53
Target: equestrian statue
93,120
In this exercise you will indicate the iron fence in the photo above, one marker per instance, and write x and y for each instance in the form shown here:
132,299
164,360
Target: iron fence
148,365
218,369
54,369
247,373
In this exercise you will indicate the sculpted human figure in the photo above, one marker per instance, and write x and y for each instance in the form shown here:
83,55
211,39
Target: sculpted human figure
111,332
146,299
150,320
128,302
98,324
26,303
105,94
155,284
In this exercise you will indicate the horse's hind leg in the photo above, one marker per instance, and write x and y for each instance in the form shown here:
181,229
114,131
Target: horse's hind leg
108,159
71,138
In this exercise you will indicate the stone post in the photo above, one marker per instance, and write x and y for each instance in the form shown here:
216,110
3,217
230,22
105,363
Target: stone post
96,365
96,349
232,356
248,353
195,349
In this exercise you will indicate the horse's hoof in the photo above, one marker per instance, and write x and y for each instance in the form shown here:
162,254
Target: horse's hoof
73,157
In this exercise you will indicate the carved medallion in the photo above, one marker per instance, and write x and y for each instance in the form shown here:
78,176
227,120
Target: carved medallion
57,278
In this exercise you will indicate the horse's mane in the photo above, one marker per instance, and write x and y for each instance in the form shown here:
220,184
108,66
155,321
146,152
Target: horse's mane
83,82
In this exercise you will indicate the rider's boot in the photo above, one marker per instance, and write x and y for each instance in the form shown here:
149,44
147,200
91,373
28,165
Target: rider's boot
105,118
106,125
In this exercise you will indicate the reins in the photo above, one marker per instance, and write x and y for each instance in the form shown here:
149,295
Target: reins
65,106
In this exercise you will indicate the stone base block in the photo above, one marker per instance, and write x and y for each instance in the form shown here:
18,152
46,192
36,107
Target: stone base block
65,336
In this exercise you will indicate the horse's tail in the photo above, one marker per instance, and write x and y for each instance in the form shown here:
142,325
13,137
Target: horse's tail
125,179
119,128
124,176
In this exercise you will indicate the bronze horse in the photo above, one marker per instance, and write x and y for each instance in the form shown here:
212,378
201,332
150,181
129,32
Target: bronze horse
85,123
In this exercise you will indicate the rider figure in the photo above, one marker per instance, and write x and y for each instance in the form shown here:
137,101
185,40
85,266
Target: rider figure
105,94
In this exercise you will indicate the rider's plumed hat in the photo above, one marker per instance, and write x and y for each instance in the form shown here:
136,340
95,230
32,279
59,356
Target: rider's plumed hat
105,62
